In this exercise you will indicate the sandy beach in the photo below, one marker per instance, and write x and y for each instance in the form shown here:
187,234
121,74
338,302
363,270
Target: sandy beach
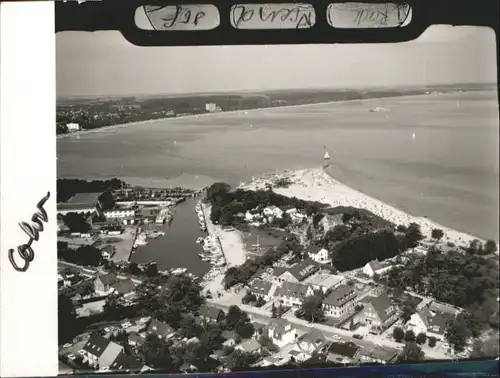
233,249
316,185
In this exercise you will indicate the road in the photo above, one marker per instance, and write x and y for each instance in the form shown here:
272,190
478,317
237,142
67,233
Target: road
262,316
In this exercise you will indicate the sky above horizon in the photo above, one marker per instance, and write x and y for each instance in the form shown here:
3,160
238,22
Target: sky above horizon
104,63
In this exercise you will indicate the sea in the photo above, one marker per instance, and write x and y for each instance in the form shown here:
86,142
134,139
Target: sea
434,155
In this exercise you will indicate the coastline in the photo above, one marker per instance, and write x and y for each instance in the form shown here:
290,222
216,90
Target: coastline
315,184
122,125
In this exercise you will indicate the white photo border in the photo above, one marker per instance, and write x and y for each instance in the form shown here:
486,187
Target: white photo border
28,301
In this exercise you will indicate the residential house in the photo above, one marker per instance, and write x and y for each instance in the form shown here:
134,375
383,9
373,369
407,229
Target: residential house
378,354
378,312
325,282
136,339
292,294
296,273
124,287
344,353
249,346
107,252
263,289
308,344
211,314
273,211
318,254
329,221
432,324
230,338
81,203
103,284
100,352
259,330
341,302
376,267
125,363
76,242
281,332
443,308
160,329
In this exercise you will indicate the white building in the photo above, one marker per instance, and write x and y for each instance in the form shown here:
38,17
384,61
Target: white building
320,255
281,332
376,267
273,211
211,107
119,213
73,126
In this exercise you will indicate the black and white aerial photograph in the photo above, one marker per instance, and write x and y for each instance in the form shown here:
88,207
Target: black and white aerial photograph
235,208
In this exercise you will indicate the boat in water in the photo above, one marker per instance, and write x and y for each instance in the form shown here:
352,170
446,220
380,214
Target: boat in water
178,271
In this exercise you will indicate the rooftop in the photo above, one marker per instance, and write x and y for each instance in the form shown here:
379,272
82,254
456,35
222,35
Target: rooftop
77,241
90,199
326,280
260,286
344,349
340,295
96,345
304,269
124,286
382,304
210,312
292,289
124,362
160,328
250,345
380,353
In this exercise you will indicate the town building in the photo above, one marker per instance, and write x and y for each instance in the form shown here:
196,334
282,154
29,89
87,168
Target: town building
318,254
249,346
378,312
125,363
325,281
281,332
263,289
124,287
77,242
292,294
160,329
273,211
73,126
120,215
100,352
211,314
310,343
103,284
80,203
212,108
376,267
296,273
432,324
378,354
341,302
344,353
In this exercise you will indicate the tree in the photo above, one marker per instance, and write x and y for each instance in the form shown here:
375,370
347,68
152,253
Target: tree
401,228
76,222
457,333
245,329
410,336
152,270
274,311
134,268
408,308
156,353
487,347
437,234
66,319
490,247
312,309
239,360
421,338
182,293
248,298
432,341
413,235
398,334
411,353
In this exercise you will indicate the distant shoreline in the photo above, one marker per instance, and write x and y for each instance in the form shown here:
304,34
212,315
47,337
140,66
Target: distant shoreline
122,125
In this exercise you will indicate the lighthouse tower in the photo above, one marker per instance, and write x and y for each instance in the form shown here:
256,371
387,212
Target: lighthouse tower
326,160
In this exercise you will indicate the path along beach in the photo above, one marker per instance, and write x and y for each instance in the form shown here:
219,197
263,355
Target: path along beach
316,184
